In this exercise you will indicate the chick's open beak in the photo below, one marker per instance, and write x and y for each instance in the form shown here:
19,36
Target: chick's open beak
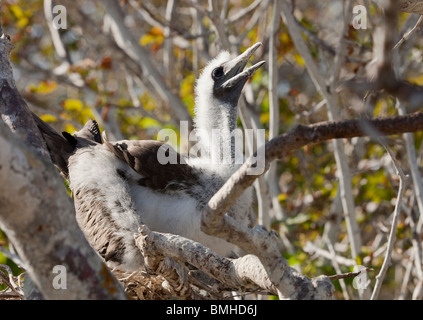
235,75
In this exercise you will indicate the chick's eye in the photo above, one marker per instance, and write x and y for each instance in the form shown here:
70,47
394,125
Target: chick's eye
217,73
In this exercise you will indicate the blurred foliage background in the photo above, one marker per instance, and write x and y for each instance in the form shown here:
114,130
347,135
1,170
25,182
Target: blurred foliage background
87,73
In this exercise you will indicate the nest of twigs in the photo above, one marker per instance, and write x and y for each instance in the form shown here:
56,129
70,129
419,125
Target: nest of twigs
141,285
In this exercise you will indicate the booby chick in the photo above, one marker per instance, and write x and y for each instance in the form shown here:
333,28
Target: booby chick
119,185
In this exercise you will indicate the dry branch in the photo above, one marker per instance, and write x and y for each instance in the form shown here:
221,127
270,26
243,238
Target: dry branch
348,274
260,242
246,273
36,213
411,6
392,234
14,285
298,137
19,120
264,267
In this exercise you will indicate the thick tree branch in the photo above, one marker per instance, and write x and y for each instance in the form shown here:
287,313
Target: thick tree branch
18,119
256,241
271,271
36,213
37,216
298,137
246,272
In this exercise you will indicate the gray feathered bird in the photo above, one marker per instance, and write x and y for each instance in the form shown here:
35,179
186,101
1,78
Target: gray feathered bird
119,185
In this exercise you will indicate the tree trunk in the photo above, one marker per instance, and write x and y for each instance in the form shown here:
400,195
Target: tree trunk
36,213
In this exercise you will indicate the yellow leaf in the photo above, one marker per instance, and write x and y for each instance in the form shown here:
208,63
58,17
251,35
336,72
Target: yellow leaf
17,11
265,117
282,197
87,114
73,104
284,38
299,60
23,22
48,118
146,39
70,128
148,103
148,123
154,36
44,87
155,31
65,116
417,80
187,92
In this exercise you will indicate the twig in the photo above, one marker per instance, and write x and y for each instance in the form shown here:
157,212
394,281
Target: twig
10,282
406,36
348,274
338,269
12,256
301,135
199,8
219,25
216,223
55,35
262,192
418,191
397,210
311,248
406,277
258,14
340,52
168,56
243,12
373,133
272,177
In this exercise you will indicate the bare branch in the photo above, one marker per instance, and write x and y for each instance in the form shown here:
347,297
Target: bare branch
256,241
311,248
348,274
245,272
214,221
272,177
31,186
13,109
10,281
412,6
392,236
409,33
